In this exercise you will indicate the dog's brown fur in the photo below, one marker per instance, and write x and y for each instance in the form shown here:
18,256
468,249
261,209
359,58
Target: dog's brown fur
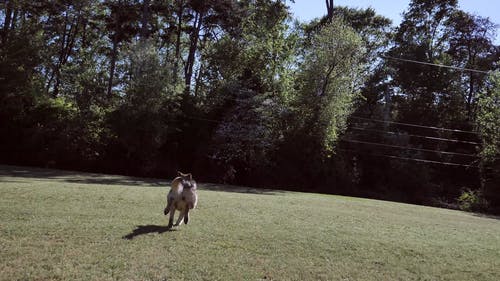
182,197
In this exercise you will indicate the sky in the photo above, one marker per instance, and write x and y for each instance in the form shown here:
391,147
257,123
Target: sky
305,10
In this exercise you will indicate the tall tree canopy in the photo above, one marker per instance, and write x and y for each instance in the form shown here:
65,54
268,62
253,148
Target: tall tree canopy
237,91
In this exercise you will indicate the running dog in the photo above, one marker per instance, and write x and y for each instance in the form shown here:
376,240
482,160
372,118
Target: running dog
182,197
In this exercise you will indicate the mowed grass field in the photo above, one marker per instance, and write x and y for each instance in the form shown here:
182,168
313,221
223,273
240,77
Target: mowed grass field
57,225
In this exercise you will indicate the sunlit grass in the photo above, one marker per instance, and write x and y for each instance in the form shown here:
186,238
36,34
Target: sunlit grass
74,226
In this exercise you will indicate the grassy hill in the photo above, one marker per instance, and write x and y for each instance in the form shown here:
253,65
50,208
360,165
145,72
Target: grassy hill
57,225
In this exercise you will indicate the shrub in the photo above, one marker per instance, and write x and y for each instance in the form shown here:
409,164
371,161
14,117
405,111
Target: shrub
472,201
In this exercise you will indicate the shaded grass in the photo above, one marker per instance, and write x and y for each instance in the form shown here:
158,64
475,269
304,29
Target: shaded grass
56,228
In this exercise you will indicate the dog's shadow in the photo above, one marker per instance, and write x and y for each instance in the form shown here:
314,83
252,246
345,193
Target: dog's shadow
146,229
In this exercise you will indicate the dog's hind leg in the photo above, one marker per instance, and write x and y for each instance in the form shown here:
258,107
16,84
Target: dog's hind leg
169,206
171,218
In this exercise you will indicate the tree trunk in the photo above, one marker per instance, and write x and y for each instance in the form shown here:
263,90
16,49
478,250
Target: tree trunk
67,43
85,43
56,73
329,9
325,81
49,82
55,93
469,97
193,46
112,66
178,41
198,81
145,20
14,20
200,70
6,25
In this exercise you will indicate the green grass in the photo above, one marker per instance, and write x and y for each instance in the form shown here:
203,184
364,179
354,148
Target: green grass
58,225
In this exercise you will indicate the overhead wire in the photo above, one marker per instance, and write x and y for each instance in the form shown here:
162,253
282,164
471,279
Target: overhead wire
413,125
386,121
410,159
435,64
203,119
410,148
386,145
402,124
413,135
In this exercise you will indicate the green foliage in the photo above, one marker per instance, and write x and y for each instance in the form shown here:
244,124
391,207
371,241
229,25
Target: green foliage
233,89
422,36
488,122
150,82
374,29
267,50
262,56
256,84
20,56
248,137
142,122
472,201
488,119
84,81
329,81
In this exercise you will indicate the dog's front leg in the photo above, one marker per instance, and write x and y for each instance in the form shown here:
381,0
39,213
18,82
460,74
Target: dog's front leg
186,216
181,216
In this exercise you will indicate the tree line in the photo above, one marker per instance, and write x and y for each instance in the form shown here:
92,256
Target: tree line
238,92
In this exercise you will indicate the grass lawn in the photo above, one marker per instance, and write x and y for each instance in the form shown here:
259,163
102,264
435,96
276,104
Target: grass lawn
57,225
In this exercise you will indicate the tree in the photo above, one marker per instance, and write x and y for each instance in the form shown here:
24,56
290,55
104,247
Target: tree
437,32
234,91
422,37
246,140
423,94
64,21
329,80
20,82
488,122
375,31
144,121
121,25
248,70
191,24
471,46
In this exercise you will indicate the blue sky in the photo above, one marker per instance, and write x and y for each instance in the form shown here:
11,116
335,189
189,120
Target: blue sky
308,9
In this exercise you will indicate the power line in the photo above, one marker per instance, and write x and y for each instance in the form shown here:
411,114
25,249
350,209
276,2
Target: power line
411,159
383,121
372,143
411,135
395,133
435,64
414,125
375,120
410,148
203,119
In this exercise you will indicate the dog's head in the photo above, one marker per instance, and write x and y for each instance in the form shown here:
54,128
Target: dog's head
187,180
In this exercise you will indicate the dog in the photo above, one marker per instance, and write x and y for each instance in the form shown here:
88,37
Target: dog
182,197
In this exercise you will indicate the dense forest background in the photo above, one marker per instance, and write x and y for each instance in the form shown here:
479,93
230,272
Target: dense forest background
240,93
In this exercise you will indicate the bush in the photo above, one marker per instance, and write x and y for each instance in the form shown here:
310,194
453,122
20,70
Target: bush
472,201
